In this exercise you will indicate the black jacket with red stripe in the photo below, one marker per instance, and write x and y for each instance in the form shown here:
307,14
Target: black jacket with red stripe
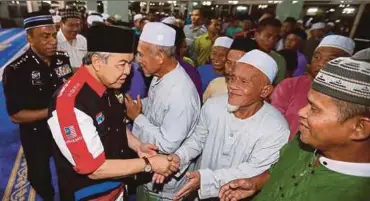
88,125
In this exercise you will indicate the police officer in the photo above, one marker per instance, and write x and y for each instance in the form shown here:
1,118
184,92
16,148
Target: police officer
87,121
29,83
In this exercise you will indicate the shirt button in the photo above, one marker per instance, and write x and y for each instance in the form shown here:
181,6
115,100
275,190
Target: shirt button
280,188
117,130
55,85
231,135
109,128
40,89
295,184
282,195
51,75
121,150
35,129
293,177
325,163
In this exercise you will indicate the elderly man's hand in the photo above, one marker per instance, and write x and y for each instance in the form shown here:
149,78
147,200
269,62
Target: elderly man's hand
146,149
237,189
133,108
164,165
174,167
193,184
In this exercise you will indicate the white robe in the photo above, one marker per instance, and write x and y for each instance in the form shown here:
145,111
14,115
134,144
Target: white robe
170,114
233,148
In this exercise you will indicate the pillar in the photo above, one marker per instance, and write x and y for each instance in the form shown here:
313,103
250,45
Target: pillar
172,8
190,8
62,4
182,9
147,6
32,6
250,9
119,8
288,9
92,5
357,19
4,12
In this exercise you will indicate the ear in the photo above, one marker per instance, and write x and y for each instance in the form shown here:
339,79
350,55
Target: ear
29,38
266,91
362,129
96,62
160,57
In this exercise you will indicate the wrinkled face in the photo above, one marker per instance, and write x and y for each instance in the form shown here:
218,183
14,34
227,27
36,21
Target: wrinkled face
293,42
113,71
148,60
218,57
246,85
71,27
43,40
267,38
322,56
320,126
232,57
286,28
215,26
195,17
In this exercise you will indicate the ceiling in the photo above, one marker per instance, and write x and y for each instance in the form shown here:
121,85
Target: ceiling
270,2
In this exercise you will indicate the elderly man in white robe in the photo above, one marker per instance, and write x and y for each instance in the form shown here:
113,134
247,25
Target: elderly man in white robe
170,112
238,134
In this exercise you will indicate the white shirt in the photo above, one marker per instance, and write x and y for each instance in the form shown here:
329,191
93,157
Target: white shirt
233,148
76,51
170,114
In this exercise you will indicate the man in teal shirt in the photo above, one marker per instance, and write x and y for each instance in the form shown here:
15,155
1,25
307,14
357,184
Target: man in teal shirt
266,36
330,158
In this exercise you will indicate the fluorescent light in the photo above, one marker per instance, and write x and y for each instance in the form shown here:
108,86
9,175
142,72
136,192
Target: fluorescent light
294,2
241,8
348,10
332,10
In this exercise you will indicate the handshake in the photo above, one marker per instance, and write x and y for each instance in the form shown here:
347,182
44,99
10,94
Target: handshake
163,166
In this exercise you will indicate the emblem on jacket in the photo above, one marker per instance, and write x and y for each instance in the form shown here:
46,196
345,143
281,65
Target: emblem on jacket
70,132
59,62
62,71
36,78
99,118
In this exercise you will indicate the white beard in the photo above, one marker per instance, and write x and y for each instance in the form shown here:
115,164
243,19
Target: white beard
232,108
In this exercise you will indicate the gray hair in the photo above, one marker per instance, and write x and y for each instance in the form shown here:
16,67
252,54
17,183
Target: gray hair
87,58
168,51
349,110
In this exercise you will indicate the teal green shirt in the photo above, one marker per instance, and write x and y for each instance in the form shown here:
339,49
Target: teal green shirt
281,63
295,178
231,31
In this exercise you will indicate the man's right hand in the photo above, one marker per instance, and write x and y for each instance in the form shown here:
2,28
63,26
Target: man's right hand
158,178
164,165
237,189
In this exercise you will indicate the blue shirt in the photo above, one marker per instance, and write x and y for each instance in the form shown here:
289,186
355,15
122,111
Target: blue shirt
207,74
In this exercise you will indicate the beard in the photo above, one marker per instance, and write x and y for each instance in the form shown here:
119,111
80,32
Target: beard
232,108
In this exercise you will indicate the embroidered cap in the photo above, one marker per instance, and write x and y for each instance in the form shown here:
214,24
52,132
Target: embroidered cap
345,79
70,13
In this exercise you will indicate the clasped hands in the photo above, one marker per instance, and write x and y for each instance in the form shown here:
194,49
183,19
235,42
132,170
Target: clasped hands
162,165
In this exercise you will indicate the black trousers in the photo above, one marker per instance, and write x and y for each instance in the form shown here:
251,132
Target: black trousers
37,147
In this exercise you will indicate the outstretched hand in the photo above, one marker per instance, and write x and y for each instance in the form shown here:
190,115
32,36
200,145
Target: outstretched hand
237,190
193,184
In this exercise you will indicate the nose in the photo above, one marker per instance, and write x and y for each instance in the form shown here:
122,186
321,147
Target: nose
303,112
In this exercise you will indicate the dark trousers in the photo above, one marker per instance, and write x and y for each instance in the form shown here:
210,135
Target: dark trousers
37,148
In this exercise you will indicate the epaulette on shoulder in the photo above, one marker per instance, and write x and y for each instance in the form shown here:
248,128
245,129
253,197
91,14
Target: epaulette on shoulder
19,61
59,53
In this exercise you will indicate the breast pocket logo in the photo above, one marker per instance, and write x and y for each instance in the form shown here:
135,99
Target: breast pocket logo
63,70
100,118
36,78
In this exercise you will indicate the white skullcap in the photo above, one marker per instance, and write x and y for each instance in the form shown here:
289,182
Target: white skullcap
138,17
94,18
223,42
341,42
262,62
169,20
319,25
300,21
331,24
105,16
57,18
158,33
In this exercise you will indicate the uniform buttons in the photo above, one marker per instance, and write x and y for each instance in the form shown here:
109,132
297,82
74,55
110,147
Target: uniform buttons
313,172
280,188
309,165
117,130
40,89
282,195
293,177
121,150
51,75
109,128
295,184
35,129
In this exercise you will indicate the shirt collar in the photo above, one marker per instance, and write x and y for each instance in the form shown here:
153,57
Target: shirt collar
62,38
98,87
347,168
167,76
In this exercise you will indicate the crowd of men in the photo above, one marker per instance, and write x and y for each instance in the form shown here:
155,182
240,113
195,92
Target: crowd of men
223,111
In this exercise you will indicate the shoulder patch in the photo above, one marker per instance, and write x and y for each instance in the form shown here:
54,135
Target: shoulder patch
19,61
60,53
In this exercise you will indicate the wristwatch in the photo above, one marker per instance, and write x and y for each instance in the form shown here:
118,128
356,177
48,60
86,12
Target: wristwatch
148,167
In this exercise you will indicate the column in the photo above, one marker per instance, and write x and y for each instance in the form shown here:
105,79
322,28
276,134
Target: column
119,8
172,8
92,5
62,4
250,9
32,6
147,6
190,8
289,9
4,12
182,8
357,19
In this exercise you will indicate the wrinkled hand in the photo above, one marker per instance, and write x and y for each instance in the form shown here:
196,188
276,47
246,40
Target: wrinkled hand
133,109
237,190
158,179
193,184
146,149
164,165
